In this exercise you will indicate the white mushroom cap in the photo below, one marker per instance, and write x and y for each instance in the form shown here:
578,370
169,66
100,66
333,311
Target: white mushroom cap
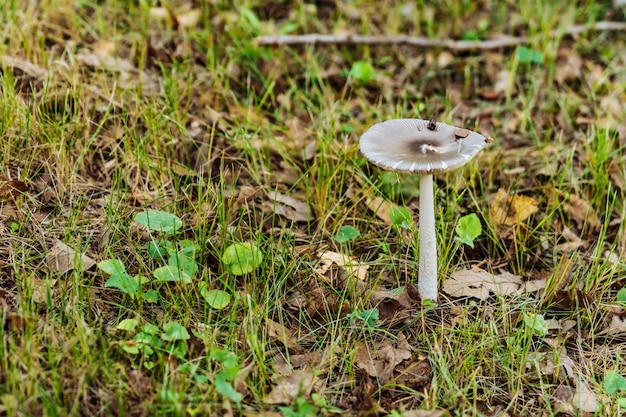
420,146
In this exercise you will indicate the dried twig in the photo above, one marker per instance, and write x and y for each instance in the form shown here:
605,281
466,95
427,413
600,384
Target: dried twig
500,42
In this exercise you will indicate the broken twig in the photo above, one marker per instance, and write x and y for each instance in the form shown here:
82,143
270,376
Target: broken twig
503,41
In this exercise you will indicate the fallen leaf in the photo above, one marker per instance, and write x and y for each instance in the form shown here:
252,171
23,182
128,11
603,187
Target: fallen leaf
581,212
11,188
479,283
378,205
291,207
390,303
43,289
280,333
584,399
299,384
349,264
506,211
381,361
62,259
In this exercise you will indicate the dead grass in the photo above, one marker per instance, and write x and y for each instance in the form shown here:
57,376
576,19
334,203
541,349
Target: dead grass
109,108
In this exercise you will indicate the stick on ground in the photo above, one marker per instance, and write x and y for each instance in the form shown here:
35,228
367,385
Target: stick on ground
503,41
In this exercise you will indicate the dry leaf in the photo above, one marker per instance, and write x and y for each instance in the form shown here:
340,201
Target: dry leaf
280,333
43,289
478,283
584,399
390,303
581,212
381,361
349,264
189,18
62,259
378,205
299,384
511,210
11,188
291,207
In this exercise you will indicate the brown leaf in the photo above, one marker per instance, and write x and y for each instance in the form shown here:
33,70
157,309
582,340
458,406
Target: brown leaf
10,189
349,264
584,399
62,259
391,303
43,289
363,393
506,211
292,208
280,333
479,283
381,361
299,384
581,212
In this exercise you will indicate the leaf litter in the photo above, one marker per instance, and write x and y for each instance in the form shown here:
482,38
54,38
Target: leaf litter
229,125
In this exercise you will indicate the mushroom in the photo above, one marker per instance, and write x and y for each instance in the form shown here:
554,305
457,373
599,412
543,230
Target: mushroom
426,148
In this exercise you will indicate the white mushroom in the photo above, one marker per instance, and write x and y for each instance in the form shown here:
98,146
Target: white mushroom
426,148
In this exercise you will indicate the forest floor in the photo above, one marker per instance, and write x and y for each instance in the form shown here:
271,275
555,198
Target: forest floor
187,226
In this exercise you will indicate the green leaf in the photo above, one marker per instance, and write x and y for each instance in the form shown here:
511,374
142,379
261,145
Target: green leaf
401,217
158,250
124,283
346,234
174,331
150,328
529,56
242,258
614,382
363,71
112,267
170,396
537,323
127,324
172,273
217,299
151,296
226,389
228,360
130,346
621,296
468,228
159,221
370,317
185,260
622,403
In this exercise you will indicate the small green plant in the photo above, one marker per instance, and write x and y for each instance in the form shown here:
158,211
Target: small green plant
303,408
529,56
369,317
181,257
536,323
401,217
217,299
346,234
121,280
614,382
468,228
150,340
242,258
621,296
363,72
224,378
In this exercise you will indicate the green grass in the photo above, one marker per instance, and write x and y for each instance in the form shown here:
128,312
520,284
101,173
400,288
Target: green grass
201,122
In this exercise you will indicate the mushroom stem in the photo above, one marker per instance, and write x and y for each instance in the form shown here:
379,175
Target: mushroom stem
427,279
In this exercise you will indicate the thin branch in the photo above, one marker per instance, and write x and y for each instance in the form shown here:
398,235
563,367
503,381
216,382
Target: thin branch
420,42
